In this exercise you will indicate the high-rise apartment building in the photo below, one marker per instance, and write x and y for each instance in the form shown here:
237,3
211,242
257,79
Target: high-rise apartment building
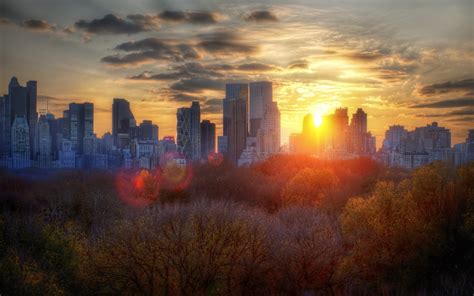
189,131
208,138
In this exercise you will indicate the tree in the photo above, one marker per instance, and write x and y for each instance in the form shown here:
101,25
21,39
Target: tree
309,187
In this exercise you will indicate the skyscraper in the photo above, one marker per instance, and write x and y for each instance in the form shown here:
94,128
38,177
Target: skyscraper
236,119
268,135
32,114
2,120
208,138
122,120
81,124
261,96
20,140
43,153
148,131
189,131
22,103
359,121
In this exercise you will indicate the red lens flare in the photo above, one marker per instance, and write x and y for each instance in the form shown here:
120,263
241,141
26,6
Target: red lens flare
176,175
138,189
215,159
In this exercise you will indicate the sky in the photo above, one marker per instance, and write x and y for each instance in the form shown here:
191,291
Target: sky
404,62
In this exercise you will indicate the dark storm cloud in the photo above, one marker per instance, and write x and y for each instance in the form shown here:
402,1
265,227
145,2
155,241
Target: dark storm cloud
225,43
112,24
460,102
37,25
261,16
466,85
199,17
149,49
198,84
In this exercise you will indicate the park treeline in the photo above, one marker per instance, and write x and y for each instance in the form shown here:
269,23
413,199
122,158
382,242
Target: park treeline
292,225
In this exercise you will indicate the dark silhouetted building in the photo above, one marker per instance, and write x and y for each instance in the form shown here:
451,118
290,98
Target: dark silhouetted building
122,121
81,124
189,131
236,119
208,138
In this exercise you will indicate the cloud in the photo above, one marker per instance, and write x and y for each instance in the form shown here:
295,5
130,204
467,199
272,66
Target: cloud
466,85
38,25
182,97
367,56
462,112
5,21
198,84
148,50
147,75
257,67
212,106
298,64
460,102
225,43
177,72
462,119
261,16
198,17
112,24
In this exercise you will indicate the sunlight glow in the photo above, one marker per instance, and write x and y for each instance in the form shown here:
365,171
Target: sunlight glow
319,110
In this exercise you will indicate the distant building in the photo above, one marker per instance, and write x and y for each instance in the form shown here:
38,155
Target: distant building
412,149
43,143
148,131
20,140
395,138
122,121
222,145
236,119
261,96
208,138
20,102
67,156
81,124
189,131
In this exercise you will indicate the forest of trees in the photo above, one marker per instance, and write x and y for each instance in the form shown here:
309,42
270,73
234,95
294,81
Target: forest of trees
293,225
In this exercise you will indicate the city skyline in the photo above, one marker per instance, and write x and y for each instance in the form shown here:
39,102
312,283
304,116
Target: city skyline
404,64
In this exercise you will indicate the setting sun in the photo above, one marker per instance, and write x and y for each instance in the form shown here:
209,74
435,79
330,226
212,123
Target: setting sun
318,119
321,109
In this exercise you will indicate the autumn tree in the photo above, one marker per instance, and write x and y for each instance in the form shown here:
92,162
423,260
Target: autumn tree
309,187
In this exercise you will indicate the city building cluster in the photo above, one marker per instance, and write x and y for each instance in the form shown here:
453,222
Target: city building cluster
251,133
251,126
412,149
335,138
44,141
